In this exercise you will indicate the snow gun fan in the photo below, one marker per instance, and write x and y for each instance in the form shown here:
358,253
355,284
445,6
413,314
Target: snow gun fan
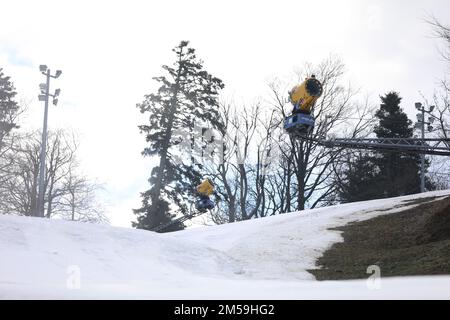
303,98
202,205
204,191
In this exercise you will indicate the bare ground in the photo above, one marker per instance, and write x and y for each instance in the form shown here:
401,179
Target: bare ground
412,242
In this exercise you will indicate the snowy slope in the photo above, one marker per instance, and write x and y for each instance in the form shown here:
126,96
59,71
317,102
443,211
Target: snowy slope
259,259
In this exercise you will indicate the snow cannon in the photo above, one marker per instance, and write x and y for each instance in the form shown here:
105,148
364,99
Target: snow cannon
204,190
304,95
204,204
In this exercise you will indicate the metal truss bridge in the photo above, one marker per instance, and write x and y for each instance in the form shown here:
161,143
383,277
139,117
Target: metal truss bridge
407,145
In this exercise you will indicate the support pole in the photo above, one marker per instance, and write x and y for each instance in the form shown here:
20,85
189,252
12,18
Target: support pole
40,202
422,156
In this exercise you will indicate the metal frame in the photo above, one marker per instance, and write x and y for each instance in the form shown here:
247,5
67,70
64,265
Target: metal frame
179,220
193,213
407,145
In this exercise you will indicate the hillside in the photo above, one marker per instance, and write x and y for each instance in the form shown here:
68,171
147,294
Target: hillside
270,258
415,241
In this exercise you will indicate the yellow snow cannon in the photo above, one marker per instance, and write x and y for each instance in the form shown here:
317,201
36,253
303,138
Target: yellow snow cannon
204,190
304,95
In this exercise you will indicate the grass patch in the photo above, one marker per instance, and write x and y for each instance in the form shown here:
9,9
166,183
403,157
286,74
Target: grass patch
412,242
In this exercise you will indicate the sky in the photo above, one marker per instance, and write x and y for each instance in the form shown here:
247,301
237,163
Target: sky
109,51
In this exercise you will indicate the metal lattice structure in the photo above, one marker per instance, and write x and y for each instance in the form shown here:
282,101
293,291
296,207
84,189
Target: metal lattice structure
179,220
193,212
407,145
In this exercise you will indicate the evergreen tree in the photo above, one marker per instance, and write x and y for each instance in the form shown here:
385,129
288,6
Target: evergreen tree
393,122
8,107
358,179
187,93
399,172
383,174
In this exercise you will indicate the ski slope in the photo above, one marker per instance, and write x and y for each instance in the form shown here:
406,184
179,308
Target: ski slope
258,259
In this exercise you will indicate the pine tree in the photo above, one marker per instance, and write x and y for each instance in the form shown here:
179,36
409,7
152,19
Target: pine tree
8,107
358,180
187,93
393,122
382,174
399,172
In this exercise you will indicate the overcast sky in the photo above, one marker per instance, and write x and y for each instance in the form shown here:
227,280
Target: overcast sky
109,51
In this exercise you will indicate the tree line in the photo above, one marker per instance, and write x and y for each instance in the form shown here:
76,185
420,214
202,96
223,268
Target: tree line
256,168
68,193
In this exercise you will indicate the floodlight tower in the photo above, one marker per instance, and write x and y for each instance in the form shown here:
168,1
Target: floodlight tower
44,96
421,125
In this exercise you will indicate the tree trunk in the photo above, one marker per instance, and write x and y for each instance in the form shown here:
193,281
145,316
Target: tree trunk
165,148
288,188
72,204
162,162
243,191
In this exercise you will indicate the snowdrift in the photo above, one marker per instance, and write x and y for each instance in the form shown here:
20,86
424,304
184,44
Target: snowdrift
258,259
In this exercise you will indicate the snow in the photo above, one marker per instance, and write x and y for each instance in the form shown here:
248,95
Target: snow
259,259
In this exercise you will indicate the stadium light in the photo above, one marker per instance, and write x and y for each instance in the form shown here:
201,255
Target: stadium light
45,88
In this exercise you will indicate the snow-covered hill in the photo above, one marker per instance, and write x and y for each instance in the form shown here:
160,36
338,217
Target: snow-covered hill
258,259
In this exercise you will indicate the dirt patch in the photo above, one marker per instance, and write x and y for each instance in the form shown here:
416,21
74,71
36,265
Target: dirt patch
412,242
419,200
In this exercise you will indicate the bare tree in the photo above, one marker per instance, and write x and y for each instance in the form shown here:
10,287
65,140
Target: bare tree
231,176
306,165
67,193
240,176
223,173
441,31
60,164
441,97
264,171
79,200
19,188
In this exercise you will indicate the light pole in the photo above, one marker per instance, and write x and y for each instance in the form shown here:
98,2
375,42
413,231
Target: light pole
44,96
421,125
